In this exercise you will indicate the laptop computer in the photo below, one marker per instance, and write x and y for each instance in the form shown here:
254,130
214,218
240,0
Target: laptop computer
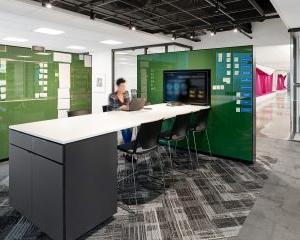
136,104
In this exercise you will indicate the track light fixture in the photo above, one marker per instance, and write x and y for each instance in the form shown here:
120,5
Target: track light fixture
47,4
133,28
193,35
92,14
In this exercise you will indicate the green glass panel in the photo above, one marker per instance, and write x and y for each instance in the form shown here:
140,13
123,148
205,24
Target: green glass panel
230,124
28,88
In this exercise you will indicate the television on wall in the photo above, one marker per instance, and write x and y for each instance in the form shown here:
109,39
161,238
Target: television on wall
187,86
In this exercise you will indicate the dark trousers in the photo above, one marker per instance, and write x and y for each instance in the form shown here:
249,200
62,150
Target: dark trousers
127,135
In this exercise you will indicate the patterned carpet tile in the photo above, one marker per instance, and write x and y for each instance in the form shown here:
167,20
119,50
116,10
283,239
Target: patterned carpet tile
211,201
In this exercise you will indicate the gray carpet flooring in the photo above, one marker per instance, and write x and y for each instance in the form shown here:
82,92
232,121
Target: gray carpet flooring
210,201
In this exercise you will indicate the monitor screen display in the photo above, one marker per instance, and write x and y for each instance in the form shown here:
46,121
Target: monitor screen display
187,86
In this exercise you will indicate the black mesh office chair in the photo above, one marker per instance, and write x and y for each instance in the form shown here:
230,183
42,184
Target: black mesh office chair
146,142
79,112
106,108
200,125
178,133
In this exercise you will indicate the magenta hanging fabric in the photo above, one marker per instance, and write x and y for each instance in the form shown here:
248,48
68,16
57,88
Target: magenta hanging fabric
280,82
264,82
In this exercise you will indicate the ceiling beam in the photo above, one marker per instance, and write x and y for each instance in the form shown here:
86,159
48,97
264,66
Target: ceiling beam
153,13
187,12
257,7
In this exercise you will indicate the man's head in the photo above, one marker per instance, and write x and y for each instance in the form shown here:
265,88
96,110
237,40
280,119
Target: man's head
121,84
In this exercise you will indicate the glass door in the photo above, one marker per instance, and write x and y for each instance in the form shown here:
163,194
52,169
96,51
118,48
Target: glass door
295,86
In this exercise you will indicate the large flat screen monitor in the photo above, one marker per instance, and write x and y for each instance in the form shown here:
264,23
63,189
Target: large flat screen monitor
187,86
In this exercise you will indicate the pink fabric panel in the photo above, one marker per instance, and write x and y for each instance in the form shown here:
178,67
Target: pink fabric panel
264,83
280,82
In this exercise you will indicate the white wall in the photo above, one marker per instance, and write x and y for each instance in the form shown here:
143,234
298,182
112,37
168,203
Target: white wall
269,32
271,42
126,67
101,65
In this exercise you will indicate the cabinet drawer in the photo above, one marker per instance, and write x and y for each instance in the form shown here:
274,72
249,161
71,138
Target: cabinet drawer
47,149
21,140
51,150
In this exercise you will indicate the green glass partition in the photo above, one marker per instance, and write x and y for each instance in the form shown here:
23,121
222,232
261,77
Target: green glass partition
232,116
28,88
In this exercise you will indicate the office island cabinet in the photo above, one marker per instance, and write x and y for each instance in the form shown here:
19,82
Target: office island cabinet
64,189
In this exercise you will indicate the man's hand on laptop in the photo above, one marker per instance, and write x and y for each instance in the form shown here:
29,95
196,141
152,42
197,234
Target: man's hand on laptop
124,108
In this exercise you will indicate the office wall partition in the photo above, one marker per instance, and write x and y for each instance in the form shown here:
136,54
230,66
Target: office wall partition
231,125
38,86
295,84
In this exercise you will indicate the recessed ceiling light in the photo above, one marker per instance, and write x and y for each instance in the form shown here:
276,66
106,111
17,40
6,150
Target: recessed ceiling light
43,53
23,56
49,31
122,59
122,53
15,39
75,47
111,42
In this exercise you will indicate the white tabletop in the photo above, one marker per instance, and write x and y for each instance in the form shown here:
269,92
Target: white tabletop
67,130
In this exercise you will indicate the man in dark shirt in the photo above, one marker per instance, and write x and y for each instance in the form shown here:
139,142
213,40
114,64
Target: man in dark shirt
119,100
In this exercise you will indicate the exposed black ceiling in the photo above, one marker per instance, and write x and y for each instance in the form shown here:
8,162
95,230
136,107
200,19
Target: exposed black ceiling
180,18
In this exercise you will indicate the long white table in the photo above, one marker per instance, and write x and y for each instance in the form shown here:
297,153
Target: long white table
63,172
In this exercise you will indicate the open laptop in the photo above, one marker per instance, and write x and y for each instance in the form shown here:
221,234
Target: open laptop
136,104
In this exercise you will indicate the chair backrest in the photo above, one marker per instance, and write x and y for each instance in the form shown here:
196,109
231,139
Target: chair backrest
105,108
79,112
148,134
181,125
200,121
133,93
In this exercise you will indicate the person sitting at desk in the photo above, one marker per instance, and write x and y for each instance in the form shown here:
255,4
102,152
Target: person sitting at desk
119,100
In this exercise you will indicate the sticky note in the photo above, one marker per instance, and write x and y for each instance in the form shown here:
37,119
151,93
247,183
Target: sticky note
220,57
45,76
238,94
222,87
226,80
37,95
2,82
228,60
236,65
45,70
236,73
41,83
2,89
45,65
45,83
228,72
56,75
228,55
228,65
45,89
238,109
214,87
238,102
236,59
41,65
2,96
41,76
43,95
218,87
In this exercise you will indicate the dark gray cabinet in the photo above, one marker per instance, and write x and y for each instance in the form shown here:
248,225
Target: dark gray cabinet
66,190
